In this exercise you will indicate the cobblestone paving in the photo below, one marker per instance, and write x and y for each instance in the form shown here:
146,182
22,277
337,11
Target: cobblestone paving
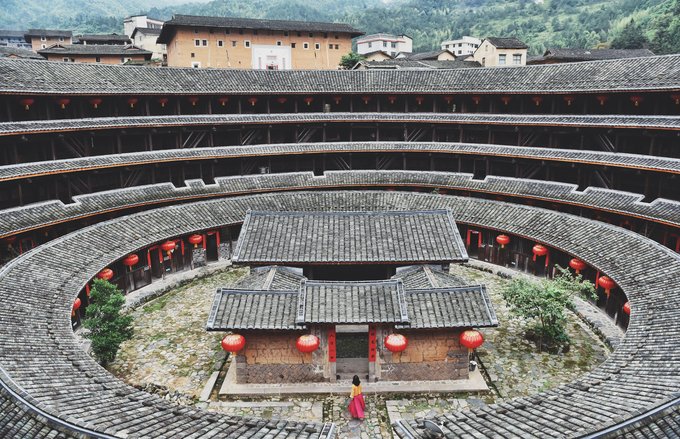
171,347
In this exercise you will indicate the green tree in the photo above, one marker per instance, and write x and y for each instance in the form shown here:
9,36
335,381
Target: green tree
350,60
544,303
108,328
631,37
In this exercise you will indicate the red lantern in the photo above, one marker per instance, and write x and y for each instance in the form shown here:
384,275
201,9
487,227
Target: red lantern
26,103
95,102
195,239
626,308
506,100
568,99
366,99
282,100
676,98
307,343
308,100
606,283
396,342
391,99
63,103
168,247
577,265
476,99
163,101
337,99
537,100
448,99
223,100
76,304
105,274
602,99
635,99
539,250
131,260
471,339
233,343
252,101
193,100
132,102
419,100
503,240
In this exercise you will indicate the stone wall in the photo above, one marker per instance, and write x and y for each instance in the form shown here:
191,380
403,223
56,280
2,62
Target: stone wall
271,357
430,355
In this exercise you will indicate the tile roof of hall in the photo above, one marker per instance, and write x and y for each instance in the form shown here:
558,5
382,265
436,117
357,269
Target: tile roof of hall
394,237
251,23
631,74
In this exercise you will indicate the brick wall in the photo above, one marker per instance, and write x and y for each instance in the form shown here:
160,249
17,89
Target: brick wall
430,355
271,357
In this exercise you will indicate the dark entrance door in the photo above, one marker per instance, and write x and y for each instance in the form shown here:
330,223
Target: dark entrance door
352,351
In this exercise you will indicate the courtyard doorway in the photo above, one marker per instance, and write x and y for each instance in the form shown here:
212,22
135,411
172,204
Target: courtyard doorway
352,351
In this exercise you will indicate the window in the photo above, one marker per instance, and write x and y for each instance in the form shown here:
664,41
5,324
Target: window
299,34
255,32
220,43
197,43
195,31
193,55
460,52
317,46
292,45
98,59
337,36
325,34
311,35
394,45
211,31
501,60
369,44
285,33
61,39
246,43
337,46
205,43
43,39
233,44
305,46
517,59
196,65
278,43
227,31
240,31
43,46
384,43
65,59
330,46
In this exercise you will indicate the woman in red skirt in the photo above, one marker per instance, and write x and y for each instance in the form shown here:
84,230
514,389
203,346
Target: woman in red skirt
356,403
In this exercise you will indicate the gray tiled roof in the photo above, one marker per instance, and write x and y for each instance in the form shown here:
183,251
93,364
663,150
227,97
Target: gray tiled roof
663,424
18,52
623,160
414,64
352,302
43,358
452,307
105,123
32,77
594,54
506,43
253,309
348,237
94,49
48,33
96,38
419,277
251,23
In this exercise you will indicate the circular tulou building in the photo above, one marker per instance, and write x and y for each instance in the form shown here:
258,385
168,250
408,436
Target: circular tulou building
128,173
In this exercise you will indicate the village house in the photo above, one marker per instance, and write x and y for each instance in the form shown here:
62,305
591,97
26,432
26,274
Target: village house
44,38
102,39
385,43
140,21
244,43
555,56
146,38
462,46
104,54
13,38
496,52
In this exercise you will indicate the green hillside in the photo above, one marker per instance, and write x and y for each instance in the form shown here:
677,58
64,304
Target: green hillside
540,23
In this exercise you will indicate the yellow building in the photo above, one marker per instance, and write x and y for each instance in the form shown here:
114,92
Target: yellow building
243,43
495,52
44,38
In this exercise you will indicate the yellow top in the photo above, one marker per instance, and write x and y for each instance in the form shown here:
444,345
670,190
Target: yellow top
356,390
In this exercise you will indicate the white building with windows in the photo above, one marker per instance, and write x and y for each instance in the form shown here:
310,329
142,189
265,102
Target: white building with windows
462,46
142,21
388,43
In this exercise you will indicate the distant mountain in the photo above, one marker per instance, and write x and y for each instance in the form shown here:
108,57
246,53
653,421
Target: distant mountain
539,23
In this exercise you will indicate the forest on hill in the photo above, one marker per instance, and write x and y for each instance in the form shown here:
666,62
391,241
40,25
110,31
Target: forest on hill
539,23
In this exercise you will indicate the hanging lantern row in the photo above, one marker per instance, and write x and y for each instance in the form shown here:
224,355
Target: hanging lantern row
366,99
63,103
195,239
606,283
635,99
132,102
626,308
193,100
26,103
506,100
577,265
281,100
168,247
163,102
396,342
233,343
503,240
252,101
539,250
223,101
471,339
568,99
537,100
105,274
307,343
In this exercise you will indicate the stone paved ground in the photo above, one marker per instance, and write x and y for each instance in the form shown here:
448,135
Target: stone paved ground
171,349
